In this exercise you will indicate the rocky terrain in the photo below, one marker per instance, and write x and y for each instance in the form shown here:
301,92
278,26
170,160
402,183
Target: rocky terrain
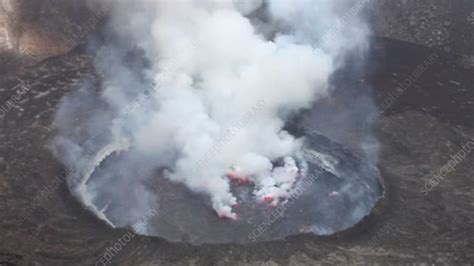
426,118
32,30
447,25
422,219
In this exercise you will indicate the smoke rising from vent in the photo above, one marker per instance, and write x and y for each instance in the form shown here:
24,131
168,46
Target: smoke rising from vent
199,91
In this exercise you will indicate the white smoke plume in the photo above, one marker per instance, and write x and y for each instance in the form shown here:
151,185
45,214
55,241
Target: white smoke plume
225,74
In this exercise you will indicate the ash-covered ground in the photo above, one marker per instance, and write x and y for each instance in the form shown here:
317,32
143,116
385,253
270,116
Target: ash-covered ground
425,131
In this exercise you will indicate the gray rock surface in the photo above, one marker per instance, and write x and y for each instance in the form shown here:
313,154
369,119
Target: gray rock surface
444,24
418,133
42,224
31,30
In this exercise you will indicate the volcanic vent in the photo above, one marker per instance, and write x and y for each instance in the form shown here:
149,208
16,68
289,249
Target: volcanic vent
335,190
188,118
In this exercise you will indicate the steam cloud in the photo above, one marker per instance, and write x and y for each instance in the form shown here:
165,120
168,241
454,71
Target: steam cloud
208,98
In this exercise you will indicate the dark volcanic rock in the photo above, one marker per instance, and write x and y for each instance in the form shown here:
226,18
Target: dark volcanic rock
419,132
447,25
31,30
